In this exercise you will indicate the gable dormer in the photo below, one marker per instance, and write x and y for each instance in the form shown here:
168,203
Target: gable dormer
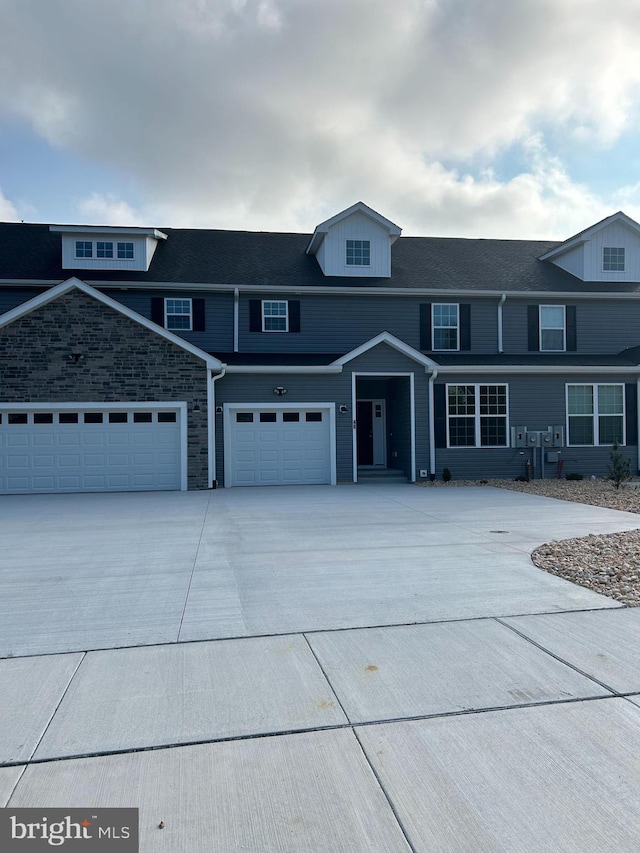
356,242
86,247
609,251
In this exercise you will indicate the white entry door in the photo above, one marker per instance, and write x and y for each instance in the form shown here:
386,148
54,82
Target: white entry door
278,445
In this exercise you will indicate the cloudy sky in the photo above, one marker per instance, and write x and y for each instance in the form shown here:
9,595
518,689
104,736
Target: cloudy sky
478,118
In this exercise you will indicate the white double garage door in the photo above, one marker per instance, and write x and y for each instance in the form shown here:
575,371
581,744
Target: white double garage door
278,445
87,448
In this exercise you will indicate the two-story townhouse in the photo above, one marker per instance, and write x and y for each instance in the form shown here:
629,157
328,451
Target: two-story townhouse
144,358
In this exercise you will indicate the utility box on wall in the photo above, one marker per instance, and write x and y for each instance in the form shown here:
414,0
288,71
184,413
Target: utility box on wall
519,436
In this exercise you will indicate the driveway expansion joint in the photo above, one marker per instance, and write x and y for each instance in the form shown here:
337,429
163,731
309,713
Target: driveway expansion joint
464,712
547,651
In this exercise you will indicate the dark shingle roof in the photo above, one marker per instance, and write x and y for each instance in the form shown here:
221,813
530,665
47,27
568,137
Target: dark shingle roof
199,256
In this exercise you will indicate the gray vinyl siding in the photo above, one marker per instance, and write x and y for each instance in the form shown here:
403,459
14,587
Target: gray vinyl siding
337,324
601,327
218,334
536,402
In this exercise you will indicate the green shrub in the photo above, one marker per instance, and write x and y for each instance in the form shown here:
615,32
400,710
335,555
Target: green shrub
522,479
620,468
574,476
446,475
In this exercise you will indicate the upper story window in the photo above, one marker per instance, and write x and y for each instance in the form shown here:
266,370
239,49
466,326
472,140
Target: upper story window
178,313
595,414
275,316
477,415
104,249
552,328
613,259
358,253
445,326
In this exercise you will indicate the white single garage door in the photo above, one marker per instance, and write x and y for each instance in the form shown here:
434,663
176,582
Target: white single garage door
278,445
81,449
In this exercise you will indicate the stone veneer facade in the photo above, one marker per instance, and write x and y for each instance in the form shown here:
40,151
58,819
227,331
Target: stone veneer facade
123,362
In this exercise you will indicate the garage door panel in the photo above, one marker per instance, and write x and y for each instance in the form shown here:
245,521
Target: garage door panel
264,451
95,452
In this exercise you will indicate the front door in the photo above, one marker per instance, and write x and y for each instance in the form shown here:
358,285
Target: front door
371,432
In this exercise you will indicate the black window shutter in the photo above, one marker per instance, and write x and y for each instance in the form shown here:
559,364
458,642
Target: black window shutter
294,315
198,315
533,321
572,338
425,326
157,310
440,414
255,315
465,327
631,410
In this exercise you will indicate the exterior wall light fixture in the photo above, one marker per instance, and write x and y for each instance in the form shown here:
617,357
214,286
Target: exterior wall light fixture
279,390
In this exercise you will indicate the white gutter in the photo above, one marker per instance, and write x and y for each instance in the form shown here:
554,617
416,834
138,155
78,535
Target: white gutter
236,326
211,414
284,368
334,291
532,369
503,299
432,424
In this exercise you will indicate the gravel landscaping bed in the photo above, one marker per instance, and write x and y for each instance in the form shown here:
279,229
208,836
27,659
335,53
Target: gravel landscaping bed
608,564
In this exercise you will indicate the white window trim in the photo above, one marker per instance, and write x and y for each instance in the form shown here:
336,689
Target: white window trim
477,416
356,240
595,414
167,315
104,257
541,327
125,243
94,250
434,348
84,257
624,267
286,316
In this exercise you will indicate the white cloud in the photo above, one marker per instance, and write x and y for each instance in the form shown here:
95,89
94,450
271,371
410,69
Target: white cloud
99,209
277,113
8,211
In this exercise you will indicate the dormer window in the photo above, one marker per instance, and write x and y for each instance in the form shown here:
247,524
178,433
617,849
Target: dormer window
104,249
358,253
613,259
91,247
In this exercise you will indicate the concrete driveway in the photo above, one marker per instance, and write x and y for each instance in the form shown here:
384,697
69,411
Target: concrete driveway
370,668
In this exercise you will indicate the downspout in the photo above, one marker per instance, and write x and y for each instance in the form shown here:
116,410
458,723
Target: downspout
211,414
503,299
432,425
236,322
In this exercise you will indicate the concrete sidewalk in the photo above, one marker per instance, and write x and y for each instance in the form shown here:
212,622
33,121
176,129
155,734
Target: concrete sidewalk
318,669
